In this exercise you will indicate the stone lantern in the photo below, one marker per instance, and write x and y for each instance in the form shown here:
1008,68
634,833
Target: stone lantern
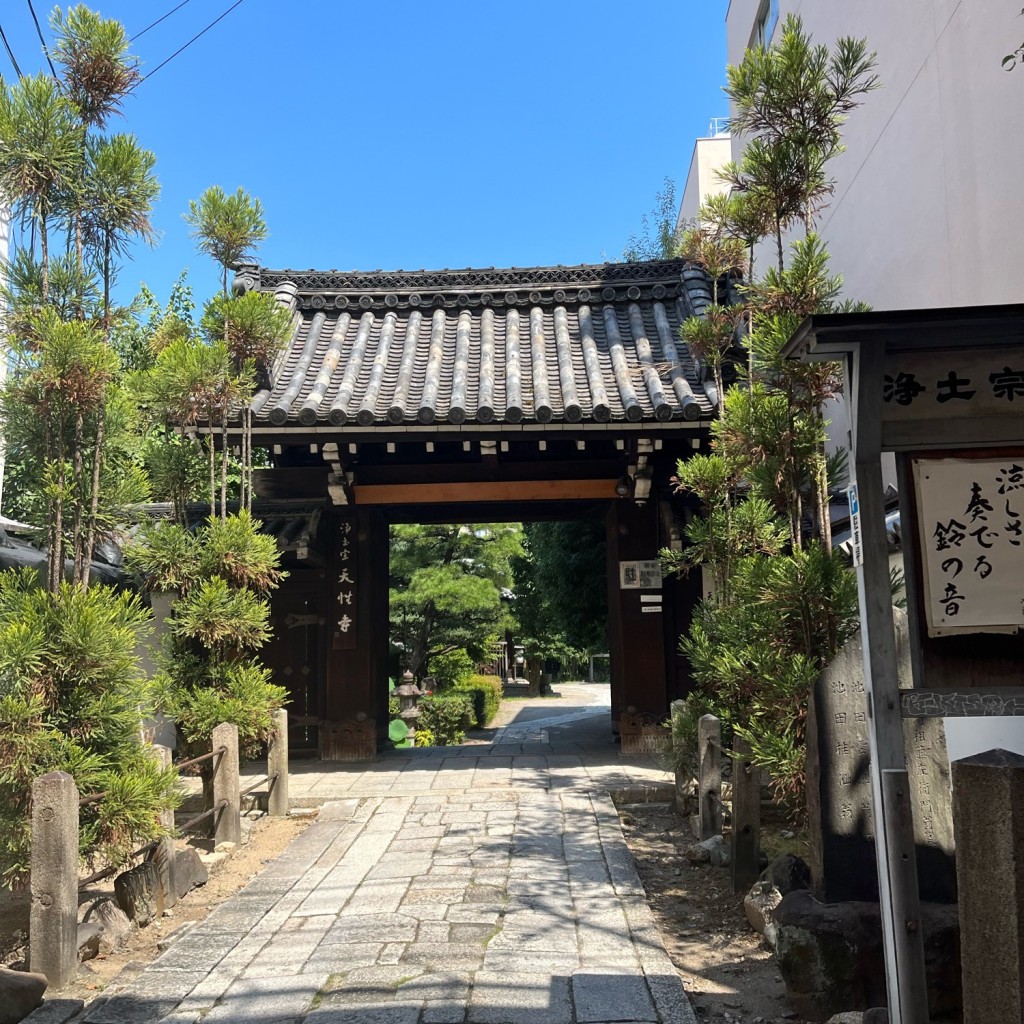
408,694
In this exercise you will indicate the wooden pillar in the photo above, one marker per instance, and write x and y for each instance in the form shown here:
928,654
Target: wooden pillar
636,629
894,828
746,818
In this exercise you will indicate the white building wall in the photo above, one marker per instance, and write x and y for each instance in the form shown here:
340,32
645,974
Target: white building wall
928,208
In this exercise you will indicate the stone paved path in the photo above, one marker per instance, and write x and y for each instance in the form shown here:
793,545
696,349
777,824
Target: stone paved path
495,893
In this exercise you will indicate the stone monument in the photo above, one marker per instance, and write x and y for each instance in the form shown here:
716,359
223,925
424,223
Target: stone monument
840,820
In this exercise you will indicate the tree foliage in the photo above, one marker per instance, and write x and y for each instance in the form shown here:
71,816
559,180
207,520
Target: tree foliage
561,593
71,695
656,239
227,228
447,586
223,574
783,601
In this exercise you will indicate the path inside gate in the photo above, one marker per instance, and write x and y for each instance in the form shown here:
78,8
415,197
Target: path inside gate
485,884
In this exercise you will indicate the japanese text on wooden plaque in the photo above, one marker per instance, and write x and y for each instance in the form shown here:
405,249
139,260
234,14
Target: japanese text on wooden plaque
970,516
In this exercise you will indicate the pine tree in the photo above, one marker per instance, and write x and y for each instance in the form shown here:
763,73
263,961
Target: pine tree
783,602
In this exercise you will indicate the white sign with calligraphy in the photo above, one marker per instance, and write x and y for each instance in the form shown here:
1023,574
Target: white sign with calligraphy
640,575
971,524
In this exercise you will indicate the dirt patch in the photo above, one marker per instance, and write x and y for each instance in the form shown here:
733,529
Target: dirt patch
268,838
727,968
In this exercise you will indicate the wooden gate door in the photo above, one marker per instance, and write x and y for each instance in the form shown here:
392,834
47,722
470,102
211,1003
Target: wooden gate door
295,656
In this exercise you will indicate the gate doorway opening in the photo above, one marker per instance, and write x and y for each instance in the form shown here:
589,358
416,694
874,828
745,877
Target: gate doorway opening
524,604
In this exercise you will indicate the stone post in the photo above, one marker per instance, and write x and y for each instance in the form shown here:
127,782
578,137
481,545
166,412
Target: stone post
682,775
228,822
709,777
746,818
277,764
988,825
53,919
162,855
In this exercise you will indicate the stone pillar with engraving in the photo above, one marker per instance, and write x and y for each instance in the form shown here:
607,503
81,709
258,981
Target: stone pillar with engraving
840,821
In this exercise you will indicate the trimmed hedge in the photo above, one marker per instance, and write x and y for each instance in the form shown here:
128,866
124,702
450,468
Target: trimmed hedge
486,692
446,716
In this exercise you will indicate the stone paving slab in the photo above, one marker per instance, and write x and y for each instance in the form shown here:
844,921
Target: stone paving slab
451,903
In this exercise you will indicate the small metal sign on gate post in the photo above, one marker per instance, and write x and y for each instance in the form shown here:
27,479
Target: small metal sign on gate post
856,544
640,575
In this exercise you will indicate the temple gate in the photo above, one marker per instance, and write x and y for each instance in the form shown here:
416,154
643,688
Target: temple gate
553,393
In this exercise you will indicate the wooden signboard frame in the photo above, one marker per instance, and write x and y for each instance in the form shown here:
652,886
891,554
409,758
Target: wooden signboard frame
923,384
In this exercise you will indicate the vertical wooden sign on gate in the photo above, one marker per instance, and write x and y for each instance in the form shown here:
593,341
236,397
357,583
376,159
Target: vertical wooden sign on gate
346,607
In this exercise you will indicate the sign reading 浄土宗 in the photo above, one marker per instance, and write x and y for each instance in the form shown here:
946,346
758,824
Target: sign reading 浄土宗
958,384
971,529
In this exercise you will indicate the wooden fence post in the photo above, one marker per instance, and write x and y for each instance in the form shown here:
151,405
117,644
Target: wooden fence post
228,820
709,777
53,919
746,818
277,764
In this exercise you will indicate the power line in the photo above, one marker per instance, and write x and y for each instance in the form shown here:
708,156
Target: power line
158,20
10,52
237,3
42,41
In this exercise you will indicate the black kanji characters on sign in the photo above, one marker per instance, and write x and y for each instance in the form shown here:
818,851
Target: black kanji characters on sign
951,599
1011,479
983,567
951,386
1008,384
949,535
978,505
901,389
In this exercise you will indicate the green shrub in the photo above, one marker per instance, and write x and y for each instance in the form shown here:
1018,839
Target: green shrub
210,672
446,716
72,699
486,692
451,669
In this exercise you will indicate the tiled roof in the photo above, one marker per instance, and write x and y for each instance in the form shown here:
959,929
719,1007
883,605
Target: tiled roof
553,344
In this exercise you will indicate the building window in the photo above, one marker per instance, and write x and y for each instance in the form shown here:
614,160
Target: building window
764,23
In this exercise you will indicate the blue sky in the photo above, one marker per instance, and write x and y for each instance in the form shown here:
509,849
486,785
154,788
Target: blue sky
398,134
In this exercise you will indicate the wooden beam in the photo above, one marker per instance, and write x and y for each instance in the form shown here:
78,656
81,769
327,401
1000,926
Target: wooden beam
513,490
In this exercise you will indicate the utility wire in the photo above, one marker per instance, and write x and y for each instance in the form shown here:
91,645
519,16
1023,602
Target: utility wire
158,20
180,49
42,41
10,52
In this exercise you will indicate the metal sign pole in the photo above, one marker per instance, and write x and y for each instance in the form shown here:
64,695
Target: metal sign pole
894,830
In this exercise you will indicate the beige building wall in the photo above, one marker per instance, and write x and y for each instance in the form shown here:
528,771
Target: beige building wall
709,154
929,201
